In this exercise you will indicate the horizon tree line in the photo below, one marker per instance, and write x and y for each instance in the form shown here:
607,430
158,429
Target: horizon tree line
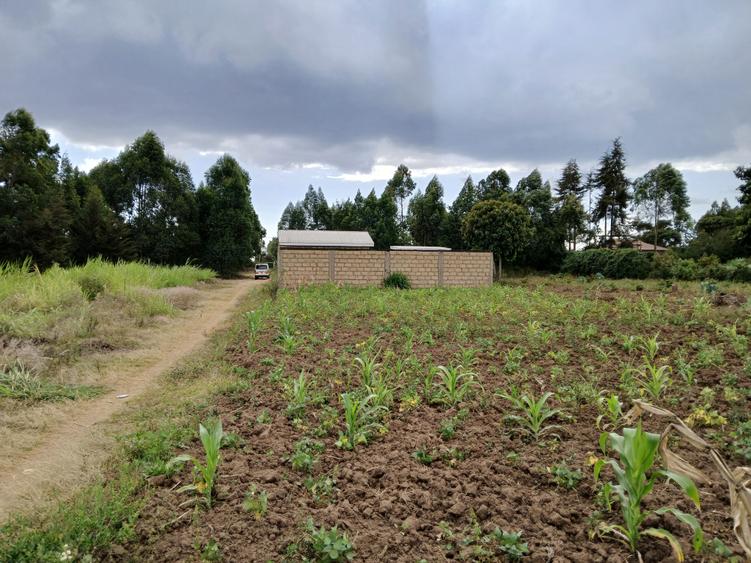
533,224
141,205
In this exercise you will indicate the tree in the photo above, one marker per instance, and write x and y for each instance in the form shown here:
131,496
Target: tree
34,218
293,217
744,215
466,199
231,234
495,186
272,249
573,219
401,185
716,233
426,217
154,194
316,208
570,182
98,231
545,250
502,227
614,197
662,192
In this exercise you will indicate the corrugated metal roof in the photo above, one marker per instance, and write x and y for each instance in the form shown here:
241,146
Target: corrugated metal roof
349,239
423,248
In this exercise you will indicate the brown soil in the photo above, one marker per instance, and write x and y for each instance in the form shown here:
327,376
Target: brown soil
390,504
70,440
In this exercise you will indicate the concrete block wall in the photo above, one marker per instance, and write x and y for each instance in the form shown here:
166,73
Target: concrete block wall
305,266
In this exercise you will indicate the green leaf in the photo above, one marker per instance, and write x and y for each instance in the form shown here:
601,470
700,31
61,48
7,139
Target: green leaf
691,521
685,483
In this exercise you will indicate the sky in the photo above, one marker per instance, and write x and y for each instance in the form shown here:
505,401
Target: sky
338,93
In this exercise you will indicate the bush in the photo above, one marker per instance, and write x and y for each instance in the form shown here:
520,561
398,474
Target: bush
91,286
617,264
397,280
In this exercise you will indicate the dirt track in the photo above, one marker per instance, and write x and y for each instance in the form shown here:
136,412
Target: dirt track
73,447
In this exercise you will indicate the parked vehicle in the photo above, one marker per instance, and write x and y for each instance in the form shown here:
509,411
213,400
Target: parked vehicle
262,271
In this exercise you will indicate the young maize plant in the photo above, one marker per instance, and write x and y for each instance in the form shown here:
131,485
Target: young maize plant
738,479
298,395
455,384
255,321
534,413
361,420
211,435
635,479
368,368
611,412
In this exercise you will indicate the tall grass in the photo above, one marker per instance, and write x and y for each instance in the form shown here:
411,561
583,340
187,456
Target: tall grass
31,301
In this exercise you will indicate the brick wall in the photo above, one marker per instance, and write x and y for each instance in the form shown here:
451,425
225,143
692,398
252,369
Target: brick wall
298,267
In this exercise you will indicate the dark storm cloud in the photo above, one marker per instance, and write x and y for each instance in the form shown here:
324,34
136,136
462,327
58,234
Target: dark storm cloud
352,83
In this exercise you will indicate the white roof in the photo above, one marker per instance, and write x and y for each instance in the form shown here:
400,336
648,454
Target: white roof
350,239
425,248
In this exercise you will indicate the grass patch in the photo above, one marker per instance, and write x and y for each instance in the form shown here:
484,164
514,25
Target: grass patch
103,514
16,382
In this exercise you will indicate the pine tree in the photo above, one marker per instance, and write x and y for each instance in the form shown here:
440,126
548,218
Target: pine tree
570,182
614,198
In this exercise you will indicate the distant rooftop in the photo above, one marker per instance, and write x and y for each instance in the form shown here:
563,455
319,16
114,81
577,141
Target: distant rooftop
334,239
423,248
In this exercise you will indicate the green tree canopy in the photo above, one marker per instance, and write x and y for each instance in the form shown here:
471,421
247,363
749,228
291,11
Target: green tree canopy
426,217
495,186
34,218
231,234
661,193
502,227
466,199
154,194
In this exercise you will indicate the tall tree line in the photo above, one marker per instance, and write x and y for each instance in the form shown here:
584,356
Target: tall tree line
140,205
530,224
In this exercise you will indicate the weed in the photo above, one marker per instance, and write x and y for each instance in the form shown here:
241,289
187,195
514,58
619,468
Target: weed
327,545
211,435
17,382
305,454
741,444
514,358
211,551
256,502
449,426
565,477
423,456
264,417
321,488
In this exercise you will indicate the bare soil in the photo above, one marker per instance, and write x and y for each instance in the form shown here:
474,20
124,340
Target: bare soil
397,509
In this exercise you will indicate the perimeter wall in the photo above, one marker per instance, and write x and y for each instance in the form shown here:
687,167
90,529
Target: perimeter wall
306,266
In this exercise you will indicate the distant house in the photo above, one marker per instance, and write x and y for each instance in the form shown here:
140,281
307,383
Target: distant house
642,246
325,239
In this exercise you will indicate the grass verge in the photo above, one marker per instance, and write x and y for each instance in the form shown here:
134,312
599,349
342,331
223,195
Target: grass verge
105,512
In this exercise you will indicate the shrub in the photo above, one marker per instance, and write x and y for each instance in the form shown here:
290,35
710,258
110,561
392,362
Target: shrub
397,280
91,286
622,263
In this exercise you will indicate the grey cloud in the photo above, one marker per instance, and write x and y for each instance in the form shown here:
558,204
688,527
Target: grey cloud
336,82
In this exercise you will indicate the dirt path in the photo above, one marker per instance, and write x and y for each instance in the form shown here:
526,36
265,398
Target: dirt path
74,446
